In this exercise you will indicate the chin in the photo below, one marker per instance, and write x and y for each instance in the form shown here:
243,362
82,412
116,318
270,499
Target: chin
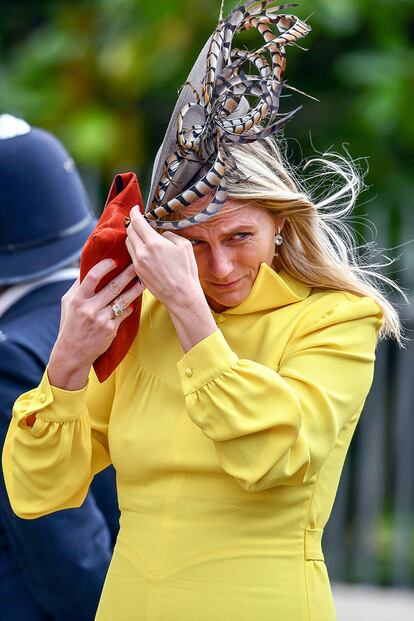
232,298
228,299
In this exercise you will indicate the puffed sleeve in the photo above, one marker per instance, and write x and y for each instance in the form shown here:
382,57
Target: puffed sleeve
50,465
277,426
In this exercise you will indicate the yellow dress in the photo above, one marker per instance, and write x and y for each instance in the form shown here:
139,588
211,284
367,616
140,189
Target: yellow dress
228,457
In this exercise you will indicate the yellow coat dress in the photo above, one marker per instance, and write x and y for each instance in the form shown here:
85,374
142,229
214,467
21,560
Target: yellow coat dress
228,457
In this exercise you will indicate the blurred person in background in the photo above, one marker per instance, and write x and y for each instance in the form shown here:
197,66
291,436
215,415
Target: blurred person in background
51,568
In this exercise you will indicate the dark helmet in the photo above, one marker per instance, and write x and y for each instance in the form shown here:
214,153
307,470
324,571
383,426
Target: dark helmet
45,216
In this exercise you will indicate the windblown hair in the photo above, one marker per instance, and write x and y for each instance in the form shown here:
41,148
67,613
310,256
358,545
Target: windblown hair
318,247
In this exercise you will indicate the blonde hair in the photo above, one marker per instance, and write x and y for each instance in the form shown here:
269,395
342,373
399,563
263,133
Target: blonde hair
318,246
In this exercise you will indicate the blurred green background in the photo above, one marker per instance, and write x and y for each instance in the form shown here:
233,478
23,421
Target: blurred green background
103,76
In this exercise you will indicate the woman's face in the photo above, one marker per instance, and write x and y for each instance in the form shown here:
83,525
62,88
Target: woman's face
229,249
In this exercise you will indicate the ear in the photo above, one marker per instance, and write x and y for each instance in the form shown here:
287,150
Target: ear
279,223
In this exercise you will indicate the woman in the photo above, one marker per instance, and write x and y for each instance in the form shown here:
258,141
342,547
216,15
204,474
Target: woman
229,419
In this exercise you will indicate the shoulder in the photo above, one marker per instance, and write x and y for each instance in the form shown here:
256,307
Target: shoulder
20,370
32,323
337,320
14,355
28,332
330,306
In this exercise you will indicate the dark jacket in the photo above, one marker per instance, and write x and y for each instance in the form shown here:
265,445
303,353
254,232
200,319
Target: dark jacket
51,568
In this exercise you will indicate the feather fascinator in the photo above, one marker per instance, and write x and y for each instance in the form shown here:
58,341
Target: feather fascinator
214,110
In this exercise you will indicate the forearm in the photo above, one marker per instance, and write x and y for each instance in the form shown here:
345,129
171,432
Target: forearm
65,371
193,320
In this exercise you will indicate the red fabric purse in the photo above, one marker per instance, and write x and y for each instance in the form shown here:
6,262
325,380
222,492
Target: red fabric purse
107,241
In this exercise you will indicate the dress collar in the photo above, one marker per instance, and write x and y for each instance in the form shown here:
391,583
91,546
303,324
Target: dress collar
271,290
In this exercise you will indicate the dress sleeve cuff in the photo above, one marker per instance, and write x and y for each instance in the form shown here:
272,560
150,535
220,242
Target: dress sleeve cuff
205,361
62,405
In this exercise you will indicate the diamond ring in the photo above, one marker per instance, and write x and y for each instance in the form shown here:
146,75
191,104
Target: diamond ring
117,310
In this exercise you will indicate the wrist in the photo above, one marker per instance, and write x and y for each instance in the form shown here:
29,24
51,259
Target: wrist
187,299
193,322
65,371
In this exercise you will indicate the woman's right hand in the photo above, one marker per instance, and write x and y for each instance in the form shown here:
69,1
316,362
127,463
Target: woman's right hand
88,324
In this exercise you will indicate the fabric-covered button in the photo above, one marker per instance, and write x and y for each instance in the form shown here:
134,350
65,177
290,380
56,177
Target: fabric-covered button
188,372
42,397
220,319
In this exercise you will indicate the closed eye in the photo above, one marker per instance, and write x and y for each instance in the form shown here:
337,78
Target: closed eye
240,236
233,237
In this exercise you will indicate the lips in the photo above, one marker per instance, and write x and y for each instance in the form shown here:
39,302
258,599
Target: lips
225,285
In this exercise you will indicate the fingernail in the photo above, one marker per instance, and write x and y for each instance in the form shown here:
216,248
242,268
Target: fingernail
115,262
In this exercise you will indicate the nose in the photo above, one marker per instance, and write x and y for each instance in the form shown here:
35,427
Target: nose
220,262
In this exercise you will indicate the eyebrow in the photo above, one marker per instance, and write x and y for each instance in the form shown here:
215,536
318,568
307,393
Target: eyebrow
240,228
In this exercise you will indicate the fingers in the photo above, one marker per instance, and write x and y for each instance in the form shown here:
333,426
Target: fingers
118,320
88,286
141,226
153,247
72,289
139,252
75,284
88,322
143,232
114,287
126,298
178,240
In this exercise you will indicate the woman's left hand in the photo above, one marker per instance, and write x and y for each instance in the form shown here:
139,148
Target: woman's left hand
165,263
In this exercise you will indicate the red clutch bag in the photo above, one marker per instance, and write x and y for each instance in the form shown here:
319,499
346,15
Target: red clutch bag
107,240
